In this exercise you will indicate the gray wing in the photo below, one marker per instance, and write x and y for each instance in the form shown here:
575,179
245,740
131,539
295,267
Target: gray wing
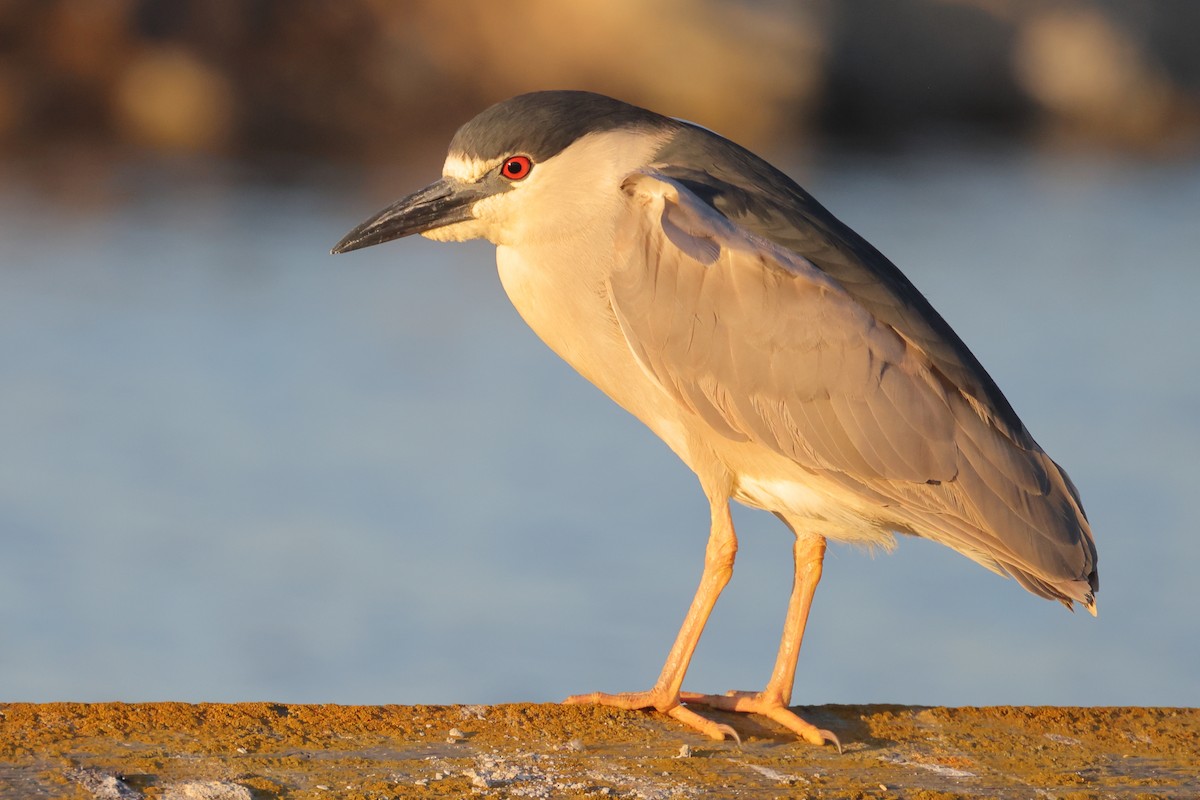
764,346
762,200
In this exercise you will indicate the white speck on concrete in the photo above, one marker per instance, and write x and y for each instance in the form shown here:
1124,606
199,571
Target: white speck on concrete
776,775
206,790
474,712
535,775
1058,737
937,769
104,786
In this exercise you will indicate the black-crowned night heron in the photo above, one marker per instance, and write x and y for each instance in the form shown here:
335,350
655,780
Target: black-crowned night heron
781,356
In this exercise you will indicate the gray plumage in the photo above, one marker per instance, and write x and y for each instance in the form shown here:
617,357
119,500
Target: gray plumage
858,379
542,124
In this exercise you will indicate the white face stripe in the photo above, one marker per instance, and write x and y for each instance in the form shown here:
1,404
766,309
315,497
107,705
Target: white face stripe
468,170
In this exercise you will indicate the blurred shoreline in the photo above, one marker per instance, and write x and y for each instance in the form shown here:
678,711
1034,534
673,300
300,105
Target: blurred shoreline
371,81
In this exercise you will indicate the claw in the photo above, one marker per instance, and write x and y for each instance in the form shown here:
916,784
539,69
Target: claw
831,738
737,740
713,730
756,703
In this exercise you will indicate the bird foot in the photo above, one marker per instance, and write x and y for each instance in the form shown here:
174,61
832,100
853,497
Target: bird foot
772,707
660,702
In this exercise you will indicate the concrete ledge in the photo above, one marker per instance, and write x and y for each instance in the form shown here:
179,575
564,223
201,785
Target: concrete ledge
255,751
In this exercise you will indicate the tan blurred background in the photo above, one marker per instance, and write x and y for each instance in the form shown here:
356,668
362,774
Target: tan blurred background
363,79
234,467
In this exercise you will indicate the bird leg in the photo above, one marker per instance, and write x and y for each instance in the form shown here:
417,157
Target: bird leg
718,567
809,553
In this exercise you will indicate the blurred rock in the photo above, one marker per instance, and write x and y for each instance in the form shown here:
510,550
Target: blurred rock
166,99
86,41
12,103
1093,80
901,70
750,70
372,79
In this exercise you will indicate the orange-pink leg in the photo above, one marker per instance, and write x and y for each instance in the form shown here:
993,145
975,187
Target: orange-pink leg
718,567
809,553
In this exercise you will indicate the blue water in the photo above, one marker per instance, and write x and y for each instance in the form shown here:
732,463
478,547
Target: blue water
233,467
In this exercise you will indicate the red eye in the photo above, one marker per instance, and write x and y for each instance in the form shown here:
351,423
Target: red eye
516,167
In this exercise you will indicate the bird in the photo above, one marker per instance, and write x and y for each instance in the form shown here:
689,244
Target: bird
782,357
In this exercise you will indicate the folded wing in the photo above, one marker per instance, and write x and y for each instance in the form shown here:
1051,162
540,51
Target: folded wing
765,346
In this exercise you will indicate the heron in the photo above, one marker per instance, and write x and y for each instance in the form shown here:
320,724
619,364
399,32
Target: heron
782,358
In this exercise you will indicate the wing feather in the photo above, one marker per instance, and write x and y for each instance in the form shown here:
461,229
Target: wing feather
760,338
762,345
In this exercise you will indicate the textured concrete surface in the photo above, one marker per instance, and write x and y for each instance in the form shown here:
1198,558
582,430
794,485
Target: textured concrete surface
254,751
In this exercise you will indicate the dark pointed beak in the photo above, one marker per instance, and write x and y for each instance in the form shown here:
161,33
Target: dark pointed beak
441,203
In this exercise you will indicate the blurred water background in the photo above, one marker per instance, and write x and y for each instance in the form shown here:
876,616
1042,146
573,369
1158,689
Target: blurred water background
233,467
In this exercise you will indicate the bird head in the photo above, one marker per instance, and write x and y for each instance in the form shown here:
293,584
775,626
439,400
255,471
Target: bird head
534,167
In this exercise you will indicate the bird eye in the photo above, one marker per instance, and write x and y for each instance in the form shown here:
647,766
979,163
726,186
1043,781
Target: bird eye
516,167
